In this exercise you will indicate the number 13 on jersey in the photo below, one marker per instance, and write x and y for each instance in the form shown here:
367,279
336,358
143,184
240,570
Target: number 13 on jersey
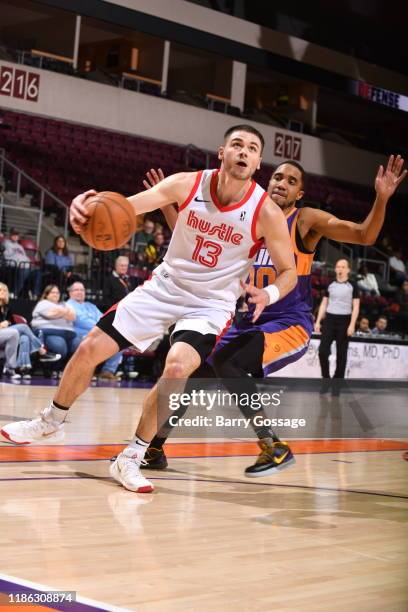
206,252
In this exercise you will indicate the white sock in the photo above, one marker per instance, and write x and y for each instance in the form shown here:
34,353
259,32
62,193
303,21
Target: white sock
54,413
139,446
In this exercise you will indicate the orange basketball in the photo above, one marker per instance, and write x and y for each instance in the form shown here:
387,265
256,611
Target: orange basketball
112,221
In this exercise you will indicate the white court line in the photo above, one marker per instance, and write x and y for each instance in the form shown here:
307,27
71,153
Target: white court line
42,587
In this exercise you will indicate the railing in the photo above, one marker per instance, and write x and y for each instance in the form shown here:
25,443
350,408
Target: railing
9,212
16,179
343,250
381,265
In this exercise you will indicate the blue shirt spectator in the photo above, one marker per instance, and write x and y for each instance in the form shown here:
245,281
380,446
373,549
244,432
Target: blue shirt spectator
86,317
58,255
87,314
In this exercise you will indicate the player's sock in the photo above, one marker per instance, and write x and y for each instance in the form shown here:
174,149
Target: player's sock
55,412
157,442
139,446
270,439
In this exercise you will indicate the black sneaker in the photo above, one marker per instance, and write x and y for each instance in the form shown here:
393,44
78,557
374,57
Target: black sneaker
337,386
274,457
155,459
325,386
50,357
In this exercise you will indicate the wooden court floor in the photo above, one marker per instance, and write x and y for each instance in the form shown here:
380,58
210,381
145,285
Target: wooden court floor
328,534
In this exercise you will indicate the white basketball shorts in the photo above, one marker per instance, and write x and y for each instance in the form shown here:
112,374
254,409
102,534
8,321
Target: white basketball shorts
146,314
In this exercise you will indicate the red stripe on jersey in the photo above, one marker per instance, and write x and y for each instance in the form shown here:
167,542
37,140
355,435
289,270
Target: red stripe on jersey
221,208
224,331
256,215
255,248
192,192
114,307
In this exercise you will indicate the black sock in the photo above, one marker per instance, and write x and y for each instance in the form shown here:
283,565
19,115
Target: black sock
157,442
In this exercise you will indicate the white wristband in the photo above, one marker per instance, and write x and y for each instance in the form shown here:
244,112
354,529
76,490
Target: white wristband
273,293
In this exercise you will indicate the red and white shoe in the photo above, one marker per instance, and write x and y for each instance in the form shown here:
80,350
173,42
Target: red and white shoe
35,430
126,470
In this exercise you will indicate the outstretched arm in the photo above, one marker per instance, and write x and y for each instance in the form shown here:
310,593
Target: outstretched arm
174,188
273,228
324,224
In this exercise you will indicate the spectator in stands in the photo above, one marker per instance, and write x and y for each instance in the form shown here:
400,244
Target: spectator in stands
9,338
385,243
86,317
145,235
53,322
16,258
363,327
59,262
339,308
381,325
397,266
28,344
155,251
118,284
402,301
367,281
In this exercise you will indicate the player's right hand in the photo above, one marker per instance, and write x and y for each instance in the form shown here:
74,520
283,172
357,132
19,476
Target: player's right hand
153,178
317,328
78,212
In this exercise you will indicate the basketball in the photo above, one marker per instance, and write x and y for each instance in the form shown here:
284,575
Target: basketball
112,221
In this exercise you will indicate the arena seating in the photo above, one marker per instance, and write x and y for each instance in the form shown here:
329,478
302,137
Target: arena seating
67,158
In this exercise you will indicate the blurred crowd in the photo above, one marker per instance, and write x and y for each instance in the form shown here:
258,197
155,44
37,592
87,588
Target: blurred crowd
61,315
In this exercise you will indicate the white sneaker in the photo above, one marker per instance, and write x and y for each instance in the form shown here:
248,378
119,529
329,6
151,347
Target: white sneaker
126,470
11,374
25,432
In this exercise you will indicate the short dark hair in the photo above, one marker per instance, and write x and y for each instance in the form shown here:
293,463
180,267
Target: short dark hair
343,259
295,164
244,127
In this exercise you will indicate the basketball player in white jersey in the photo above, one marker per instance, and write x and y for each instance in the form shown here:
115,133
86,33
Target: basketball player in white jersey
223,215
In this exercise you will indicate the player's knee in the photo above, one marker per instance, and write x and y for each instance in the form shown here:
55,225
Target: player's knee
175,368
87,351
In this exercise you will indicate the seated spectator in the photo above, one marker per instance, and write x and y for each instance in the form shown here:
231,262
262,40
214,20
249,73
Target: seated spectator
144,236
401,298
86,317
16,257
155,251
398,267
53,323
118,284
366,281
363,327
380,326
59,262
28,343
9,339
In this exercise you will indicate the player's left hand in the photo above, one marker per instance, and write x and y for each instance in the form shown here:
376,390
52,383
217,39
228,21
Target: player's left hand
259,297
350,330
387,181
153,178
